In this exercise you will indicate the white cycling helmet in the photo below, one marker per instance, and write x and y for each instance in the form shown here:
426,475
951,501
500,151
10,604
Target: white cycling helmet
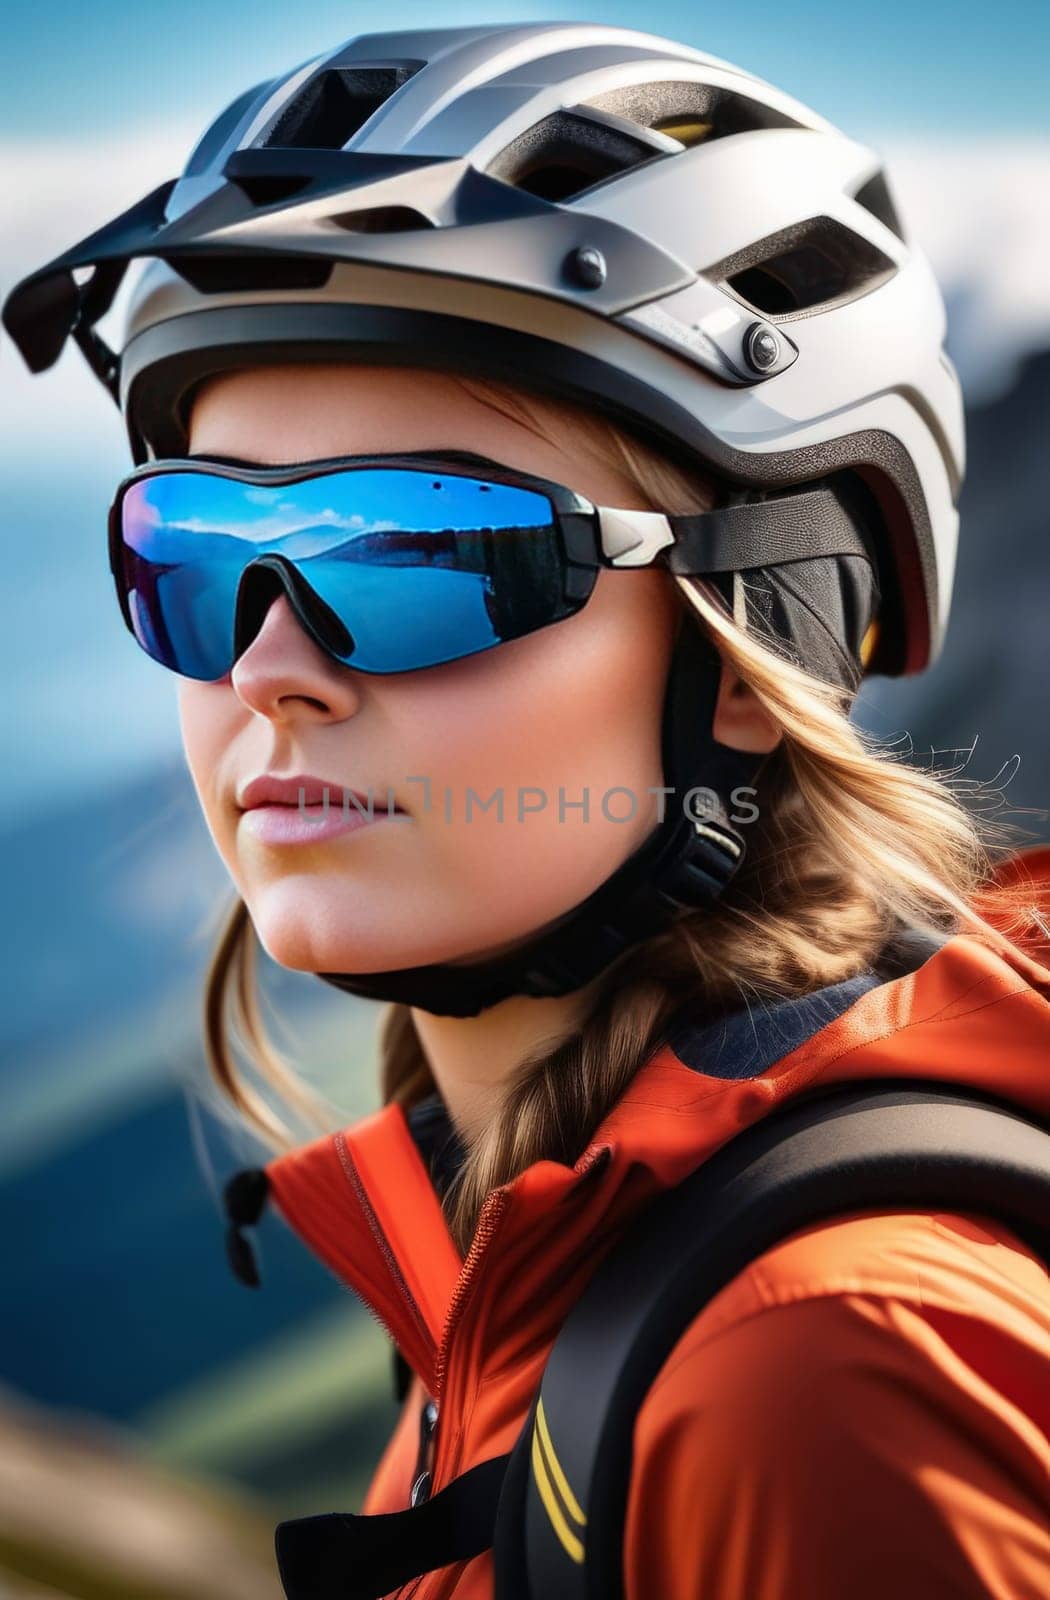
588,210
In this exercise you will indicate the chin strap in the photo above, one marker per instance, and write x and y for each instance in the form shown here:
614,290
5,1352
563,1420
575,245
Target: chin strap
685,863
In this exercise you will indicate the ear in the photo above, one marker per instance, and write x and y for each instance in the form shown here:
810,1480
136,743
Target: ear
740,721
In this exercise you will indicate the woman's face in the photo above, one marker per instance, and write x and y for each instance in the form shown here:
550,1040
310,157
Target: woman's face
572,708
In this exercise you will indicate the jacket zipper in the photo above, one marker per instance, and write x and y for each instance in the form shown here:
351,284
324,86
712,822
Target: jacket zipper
423,1475
595,1158
424,1479
488,1223
350,1169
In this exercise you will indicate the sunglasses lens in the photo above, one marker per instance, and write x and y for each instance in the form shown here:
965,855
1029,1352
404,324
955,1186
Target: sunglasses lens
179,566
418,568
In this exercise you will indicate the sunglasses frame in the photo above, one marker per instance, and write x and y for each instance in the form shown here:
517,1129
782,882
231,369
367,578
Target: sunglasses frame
591,536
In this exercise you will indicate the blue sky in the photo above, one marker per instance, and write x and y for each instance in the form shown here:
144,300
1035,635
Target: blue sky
906,65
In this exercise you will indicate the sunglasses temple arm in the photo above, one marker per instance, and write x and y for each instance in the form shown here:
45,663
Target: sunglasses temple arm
632,538
801,525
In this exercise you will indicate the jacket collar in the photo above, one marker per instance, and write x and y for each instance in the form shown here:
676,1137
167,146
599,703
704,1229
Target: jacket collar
366,1199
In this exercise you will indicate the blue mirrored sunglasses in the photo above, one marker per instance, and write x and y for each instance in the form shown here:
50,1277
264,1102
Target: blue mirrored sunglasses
391,563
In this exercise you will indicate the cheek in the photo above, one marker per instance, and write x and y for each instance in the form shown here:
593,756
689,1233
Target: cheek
569,712
208,720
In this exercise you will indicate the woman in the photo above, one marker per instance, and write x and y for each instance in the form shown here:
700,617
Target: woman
541,430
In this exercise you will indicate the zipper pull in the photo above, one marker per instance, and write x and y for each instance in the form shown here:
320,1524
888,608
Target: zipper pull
421,1483
244,1196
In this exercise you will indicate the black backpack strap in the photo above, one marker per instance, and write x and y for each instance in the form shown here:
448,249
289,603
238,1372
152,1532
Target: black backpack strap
563,1506
342,1556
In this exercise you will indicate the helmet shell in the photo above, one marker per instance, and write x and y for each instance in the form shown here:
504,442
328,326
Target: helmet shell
594,212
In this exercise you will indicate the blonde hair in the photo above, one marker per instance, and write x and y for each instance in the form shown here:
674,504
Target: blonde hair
851,844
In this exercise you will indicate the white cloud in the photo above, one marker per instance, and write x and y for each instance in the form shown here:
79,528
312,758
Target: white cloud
978,208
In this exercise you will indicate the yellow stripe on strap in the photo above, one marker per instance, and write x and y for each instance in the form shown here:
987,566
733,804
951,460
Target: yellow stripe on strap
545,1465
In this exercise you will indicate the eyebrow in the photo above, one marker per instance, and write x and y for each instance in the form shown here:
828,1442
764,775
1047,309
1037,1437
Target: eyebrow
472,457
234,461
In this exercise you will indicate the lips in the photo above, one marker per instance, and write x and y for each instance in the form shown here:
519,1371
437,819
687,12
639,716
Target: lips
271,790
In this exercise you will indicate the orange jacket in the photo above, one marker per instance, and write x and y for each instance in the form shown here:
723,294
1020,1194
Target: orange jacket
861,1411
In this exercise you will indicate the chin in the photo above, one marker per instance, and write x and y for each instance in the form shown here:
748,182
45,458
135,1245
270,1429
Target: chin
308,932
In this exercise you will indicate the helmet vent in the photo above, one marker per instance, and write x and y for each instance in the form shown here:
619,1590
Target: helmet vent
875,197
335,105
693,113
243,274
268,188
381,219
565,154
813,264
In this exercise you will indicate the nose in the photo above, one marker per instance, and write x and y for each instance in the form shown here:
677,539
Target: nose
283,673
